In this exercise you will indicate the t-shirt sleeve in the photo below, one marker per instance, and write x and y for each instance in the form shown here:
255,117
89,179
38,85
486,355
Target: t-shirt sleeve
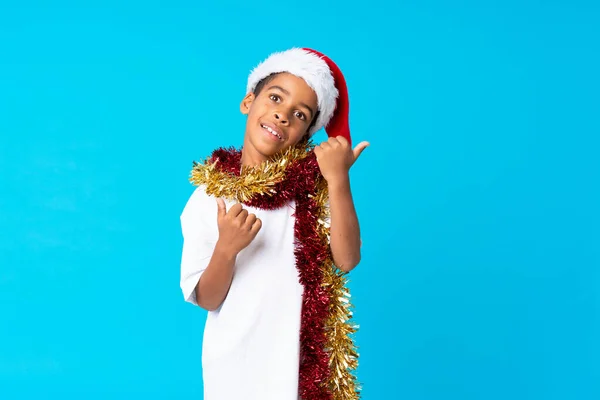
199,239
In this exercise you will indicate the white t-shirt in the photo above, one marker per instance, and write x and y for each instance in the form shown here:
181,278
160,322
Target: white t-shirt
251,343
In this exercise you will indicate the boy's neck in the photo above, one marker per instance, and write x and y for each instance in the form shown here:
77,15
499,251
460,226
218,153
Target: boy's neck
251,160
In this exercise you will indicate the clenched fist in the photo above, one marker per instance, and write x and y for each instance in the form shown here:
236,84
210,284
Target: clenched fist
237,228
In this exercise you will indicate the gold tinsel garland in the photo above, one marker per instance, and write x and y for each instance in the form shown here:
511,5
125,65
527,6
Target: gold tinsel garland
343,355
252,180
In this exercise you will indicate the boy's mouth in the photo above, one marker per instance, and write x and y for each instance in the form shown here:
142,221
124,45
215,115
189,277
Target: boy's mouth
272,130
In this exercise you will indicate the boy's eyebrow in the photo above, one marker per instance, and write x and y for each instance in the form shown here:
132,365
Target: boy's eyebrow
279,88
288,93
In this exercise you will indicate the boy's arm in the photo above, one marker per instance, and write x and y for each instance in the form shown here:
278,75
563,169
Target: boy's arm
344,230
335,157
237,229
213,286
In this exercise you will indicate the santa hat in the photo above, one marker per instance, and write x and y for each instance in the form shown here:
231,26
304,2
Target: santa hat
322,75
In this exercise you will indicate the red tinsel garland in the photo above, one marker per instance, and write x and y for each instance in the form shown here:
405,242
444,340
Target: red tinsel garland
300,185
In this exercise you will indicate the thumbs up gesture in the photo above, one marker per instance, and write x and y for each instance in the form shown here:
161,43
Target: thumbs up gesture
237,227
335,157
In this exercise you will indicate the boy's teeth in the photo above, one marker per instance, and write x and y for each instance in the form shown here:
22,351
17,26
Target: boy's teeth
271,131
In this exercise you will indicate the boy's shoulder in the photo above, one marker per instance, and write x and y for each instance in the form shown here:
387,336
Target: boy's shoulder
199,203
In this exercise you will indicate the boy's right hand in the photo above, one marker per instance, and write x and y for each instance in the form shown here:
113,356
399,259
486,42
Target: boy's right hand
237,228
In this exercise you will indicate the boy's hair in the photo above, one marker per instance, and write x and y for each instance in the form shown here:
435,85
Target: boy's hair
263,82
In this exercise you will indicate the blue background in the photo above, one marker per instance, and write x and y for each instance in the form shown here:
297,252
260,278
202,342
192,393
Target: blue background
478,197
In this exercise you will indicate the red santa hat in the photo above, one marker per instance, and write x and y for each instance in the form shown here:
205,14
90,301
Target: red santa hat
322,75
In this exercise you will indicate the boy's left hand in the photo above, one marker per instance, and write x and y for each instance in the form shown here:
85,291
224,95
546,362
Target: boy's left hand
335,157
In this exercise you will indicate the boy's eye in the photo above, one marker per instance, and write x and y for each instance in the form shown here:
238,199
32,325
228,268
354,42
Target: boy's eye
274,97
300,115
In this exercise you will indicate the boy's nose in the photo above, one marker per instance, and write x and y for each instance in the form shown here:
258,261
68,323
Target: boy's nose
281,117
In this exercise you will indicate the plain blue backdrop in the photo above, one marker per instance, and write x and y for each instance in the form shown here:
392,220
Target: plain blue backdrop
478,198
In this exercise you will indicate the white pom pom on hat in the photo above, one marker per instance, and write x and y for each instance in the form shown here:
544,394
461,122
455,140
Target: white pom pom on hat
322,75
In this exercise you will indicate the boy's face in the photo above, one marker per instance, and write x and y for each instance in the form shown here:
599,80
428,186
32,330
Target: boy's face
278,117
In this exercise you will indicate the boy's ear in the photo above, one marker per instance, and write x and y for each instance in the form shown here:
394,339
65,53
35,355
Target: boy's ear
246,103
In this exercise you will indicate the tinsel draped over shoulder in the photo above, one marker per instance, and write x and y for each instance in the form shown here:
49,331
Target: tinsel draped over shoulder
274,179
328,355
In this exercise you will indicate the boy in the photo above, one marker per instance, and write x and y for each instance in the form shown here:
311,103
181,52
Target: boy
262,233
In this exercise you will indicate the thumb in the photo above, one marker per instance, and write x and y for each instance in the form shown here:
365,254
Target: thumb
221,208
359,149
